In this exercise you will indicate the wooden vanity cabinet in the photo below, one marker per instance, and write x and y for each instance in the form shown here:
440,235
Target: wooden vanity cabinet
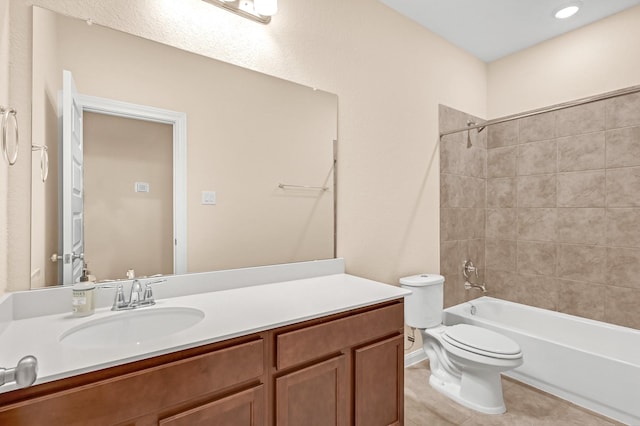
341,370
344,369
186,387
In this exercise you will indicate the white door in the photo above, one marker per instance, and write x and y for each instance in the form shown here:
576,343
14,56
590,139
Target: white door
72,187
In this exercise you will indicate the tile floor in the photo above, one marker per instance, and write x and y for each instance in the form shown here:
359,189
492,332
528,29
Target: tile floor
526,406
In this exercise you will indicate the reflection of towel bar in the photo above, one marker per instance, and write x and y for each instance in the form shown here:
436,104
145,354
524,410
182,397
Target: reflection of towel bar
44,160
6,113
285,186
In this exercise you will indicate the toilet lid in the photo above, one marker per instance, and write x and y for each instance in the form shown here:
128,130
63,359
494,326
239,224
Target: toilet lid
481,341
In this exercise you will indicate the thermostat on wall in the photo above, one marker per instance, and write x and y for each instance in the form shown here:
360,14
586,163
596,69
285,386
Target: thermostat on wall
142,187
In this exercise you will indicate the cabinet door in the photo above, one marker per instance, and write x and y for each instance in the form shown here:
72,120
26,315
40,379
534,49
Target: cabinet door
240,409
379,383
314,396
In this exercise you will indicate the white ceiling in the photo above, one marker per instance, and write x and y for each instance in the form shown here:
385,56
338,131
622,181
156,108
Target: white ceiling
491,29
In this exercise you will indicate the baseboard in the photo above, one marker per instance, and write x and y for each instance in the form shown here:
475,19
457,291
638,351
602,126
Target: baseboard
414,357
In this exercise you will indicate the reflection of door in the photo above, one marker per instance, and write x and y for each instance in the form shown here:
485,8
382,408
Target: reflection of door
72,240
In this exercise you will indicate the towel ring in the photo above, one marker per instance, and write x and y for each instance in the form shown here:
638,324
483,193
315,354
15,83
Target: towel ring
44,160
6,113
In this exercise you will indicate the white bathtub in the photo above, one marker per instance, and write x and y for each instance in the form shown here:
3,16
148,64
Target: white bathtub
590,363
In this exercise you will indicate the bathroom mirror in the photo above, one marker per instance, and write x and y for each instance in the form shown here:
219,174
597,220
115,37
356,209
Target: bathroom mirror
254,176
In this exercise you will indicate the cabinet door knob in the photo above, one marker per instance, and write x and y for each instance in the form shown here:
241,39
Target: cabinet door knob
24,374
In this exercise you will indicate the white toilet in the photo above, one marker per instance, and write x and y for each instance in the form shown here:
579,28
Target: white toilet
465,360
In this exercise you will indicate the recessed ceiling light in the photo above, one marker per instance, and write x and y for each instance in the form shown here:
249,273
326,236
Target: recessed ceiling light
567,11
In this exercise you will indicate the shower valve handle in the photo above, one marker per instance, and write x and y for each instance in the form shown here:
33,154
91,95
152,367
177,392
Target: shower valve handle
468,268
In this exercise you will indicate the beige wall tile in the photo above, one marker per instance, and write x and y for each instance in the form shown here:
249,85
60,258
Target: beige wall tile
450,118
621,306
582,263
501,192
501,224
622,267
501,162
476,253
582,299
537,291
623,111
582,152
478,138
536,258
501,254
623,187
452,255
537,224
537,158
623,147
461,191
503,134
502,284
622,227
537,191
457,158
582,226
449,153
451,258
581,189
461,224
580,119
537,127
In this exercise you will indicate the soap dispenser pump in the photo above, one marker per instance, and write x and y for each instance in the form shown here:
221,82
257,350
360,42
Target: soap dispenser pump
85,274
82,301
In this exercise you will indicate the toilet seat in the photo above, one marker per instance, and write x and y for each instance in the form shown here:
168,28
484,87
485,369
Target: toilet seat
481,341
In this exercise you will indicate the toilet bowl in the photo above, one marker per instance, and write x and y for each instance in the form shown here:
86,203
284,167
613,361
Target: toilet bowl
465,360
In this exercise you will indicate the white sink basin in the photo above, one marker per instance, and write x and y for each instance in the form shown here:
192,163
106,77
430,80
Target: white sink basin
131,327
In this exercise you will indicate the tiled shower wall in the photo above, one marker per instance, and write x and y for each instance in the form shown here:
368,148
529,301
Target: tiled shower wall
462,202
562,217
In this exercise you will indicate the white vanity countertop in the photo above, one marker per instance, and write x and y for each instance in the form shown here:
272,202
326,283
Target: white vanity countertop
228,314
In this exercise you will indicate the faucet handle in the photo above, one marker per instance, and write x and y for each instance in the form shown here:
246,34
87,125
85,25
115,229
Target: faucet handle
119,301
148,292
468,268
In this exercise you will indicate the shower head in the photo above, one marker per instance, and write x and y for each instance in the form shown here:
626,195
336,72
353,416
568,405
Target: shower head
469,124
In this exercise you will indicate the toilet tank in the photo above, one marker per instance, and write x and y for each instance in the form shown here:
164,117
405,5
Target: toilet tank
423,308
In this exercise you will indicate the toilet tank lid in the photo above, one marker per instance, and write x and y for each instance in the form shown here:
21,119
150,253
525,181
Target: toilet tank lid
422,280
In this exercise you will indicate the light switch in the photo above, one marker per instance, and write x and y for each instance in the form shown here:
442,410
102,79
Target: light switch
142,187
208,198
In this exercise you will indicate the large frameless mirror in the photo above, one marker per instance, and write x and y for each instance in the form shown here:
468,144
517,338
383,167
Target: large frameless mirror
164,162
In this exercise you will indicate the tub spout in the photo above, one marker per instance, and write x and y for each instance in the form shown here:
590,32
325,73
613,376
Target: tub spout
469,286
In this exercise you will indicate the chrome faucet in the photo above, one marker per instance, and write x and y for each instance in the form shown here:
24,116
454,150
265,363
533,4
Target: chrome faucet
138,297
469,286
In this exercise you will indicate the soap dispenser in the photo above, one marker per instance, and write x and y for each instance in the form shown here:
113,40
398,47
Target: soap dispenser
83,303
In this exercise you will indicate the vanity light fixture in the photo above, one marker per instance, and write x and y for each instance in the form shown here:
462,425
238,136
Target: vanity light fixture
256,10
567,10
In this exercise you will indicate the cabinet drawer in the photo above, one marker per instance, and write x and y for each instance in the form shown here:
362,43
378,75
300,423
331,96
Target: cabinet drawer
318,340
240,409
146,391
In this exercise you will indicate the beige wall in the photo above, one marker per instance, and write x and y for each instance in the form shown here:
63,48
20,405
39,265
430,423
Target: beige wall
4,100
598,58
389,73
125,229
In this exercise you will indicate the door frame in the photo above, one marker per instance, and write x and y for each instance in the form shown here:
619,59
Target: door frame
178,120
